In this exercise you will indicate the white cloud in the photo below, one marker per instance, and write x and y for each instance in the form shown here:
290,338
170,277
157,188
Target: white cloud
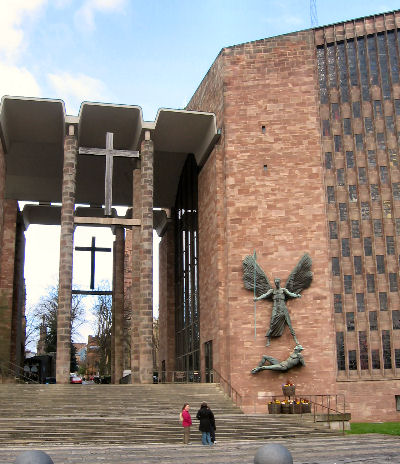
12,16
85,15
17,81
74,89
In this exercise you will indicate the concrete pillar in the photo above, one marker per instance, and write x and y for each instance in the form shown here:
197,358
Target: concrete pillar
118,305
66,257
146,263
167,303
135,269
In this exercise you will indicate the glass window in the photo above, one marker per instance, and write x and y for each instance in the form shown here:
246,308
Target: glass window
350,322
397,361
387,208
397,220
352,360
384,174
340,176
326,128
373,321
371,158
362,175
377,228
330,191
338,142
393,284
386,351
352,59
390,245
357,265
365,212
352,193
350,159
345,247
347,126
394,65
335,266
335,112
383,301
368,246
396,190
362,342
384,65
374,192
359,142
380,264
356,110
368,125
328,160
348,284
343,212
396,319
390,124
340,351
397,107
370,283
380,137
333,230
323,91
355,228
362,59
394,161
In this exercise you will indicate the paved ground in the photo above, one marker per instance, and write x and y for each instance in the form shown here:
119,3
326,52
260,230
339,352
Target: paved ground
366,449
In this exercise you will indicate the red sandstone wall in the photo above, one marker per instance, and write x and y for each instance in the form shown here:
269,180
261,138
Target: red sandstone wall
278,211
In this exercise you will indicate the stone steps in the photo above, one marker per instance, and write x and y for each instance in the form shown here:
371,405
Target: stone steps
114,414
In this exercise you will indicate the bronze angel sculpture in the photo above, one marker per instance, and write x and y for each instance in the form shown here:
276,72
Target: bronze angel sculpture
254,279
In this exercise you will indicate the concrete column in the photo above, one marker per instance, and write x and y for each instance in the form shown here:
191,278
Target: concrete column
167,302
118,305
66,257
146,263
135,289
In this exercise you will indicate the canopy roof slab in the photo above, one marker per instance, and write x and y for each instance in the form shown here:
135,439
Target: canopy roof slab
32,132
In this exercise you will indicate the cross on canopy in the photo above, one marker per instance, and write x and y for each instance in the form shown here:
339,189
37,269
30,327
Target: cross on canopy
92,250
109,152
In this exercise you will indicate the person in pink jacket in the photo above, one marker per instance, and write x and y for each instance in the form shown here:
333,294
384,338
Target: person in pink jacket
186,423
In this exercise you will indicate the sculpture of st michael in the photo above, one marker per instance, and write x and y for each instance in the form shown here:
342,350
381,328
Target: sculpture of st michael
255,279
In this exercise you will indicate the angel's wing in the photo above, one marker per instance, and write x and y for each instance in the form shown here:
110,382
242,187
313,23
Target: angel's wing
301,276
262,283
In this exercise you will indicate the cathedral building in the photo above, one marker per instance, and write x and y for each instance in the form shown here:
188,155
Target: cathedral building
289,147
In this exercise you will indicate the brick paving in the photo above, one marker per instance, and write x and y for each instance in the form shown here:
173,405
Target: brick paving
355,449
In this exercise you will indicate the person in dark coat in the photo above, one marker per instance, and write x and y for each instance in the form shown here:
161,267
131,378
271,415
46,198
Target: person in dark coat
206,418
213,428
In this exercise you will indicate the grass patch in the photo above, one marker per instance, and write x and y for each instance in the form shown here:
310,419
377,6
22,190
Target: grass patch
389,428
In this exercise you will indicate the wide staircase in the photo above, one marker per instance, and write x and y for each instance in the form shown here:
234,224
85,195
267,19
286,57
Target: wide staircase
120,414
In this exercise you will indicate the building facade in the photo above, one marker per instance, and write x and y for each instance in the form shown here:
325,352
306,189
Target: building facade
308,161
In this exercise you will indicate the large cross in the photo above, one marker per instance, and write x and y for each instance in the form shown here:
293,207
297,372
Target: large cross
109,153
92,250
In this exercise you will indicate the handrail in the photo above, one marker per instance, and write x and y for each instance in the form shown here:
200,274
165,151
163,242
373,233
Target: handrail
319,401
230,391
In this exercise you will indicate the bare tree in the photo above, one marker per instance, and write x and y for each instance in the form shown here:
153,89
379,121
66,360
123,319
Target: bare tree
102,311
45,312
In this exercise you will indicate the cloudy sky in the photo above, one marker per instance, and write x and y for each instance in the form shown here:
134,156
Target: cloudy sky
150,53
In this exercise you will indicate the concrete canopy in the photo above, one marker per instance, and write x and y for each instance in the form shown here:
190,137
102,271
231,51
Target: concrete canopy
32,131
